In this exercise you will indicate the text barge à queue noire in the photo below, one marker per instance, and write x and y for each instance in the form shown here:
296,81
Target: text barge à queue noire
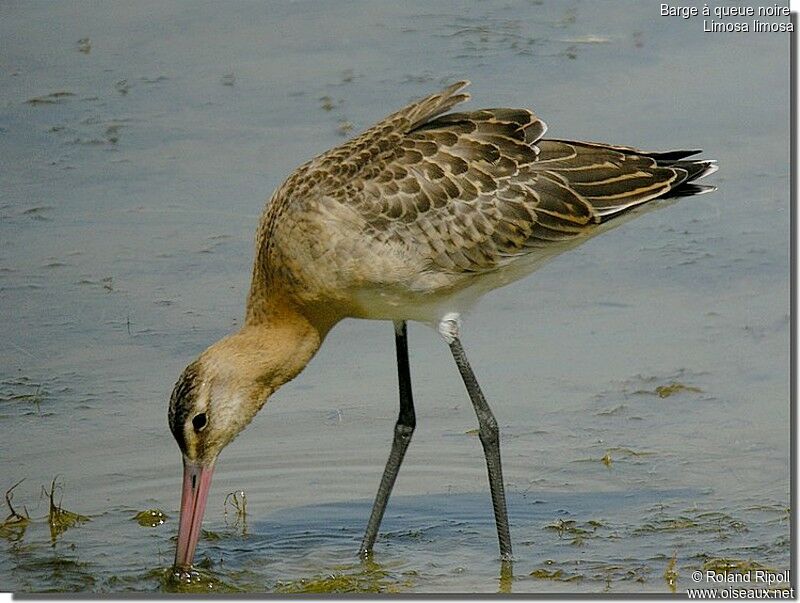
687,12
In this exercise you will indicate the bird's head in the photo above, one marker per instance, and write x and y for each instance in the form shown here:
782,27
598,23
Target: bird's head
216,397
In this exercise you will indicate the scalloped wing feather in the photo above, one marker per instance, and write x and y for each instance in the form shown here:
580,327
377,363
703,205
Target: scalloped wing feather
473,191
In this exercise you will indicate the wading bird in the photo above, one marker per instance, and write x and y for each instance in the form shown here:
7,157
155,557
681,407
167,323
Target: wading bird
414,219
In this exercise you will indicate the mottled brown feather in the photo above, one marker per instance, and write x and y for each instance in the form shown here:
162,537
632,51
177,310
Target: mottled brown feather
468,192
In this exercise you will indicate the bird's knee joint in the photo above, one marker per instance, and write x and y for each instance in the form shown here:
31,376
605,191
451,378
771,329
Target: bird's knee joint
404,432
450,327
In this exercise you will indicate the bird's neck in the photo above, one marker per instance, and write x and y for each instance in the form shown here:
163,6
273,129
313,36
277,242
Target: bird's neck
271,300
268,351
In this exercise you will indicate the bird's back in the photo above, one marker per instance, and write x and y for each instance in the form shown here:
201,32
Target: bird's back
428,206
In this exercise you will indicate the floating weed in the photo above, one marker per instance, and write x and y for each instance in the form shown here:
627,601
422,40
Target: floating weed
13,526
609,573
25,391
59,519
714,521
557,575
210,535
568,528
601,572
710,522
616,453
369,578
723,565
565,526
65,574
238,501
670,524
662,386
671,573
150,518
50,99
191,581
665,391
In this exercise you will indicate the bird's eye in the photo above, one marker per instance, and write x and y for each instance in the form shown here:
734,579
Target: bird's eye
199,422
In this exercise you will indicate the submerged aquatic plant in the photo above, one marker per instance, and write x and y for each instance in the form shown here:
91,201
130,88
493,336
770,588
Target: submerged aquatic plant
13,526
24,390
238,500
59,519
671,573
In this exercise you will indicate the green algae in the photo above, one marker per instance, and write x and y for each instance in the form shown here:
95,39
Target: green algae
557,575
585,571
367,577
58,518
723,565
210,535
65,573
707,522
150,518
193,581
665,391
671,573
570,526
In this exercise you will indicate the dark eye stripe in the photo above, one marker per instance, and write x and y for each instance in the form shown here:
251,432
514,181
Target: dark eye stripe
181,401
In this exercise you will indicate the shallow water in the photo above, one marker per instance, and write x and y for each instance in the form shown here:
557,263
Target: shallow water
127,210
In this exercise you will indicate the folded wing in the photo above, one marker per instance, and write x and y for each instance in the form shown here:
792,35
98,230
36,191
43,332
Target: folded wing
473,191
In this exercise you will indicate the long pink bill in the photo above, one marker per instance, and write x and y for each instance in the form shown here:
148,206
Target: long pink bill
196,484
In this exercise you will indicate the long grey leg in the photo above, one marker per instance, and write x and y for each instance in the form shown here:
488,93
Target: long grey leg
487,431
403,429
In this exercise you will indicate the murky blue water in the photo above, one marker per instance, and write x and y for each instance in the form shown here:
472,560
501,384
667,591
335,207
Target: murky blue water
132,177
